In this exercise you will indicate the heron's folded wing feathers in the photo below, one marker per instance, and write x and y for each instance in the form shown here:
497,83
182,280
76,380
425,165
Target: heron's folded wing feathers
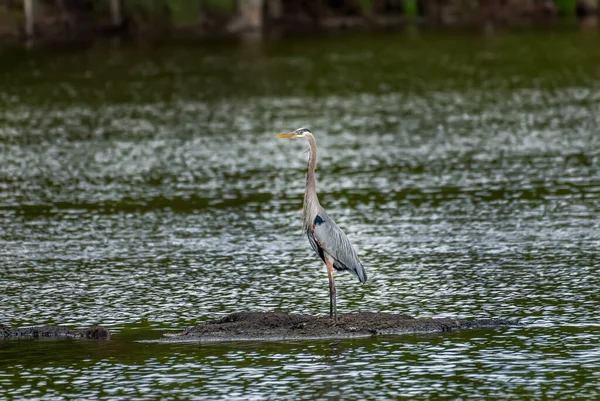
332,240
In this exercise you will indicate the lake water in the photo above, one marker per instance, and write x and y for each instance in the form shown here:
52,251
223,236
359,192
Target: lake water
143,189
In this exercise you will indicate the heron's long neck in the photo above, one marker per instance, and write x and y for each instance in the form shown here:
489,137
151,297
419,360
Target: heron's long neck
311,202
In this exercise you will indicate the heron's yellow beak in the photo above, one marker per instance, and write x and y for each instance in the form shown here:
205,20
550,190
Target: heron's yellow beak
286,135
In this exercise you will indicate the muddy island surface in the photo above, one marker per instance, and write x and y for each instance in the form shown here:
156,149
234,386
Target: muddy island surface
282,326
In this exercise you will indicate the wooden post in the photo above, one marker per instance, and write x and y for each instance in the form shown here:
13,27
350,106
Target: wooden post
29,19
115,12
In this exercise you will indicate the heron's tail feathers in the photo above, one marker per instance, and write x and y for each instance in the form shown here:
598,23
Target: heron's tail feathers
360,273
356,268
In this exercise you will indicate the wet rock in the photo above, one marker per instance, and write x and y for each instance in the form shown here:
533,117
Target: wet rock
94,332
280,325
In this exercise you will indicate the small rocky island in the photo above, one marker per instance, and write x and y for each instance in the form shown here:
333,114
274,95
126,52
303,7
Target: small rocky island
282,326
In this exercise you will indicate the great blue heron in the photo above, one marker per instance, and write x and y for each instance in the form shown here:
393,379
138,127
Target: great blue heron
325,237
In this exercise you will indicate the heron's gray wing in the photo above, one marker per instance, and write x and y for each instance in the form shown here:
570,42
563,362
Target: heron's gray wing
315,245
327,238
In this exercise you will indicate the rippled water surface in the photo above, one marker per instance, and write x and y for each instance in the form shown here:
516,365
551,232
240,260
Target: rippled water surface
142,189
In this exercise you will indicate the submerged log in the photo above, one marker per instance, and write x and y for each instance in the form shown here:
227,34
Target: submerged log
94,332
280,325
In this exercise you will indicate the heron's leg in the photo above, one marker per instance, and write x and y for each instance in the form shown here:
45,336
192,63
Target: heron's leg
332,297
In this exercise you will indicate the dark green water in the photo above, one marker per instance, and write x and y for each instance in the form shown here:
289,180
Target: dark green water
142,189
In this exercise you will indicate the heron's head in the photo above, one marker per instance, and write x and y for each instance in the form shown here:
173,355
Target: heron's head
299,133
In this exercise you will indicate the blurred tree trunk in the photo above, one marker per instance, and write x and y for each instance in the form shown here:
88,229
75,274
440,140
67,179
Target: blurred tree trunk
275,8
252,12
29,18
116,12
250,16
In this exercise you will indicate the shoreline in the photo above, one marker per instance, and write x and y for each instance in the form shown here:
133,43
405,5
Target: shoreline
54,25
